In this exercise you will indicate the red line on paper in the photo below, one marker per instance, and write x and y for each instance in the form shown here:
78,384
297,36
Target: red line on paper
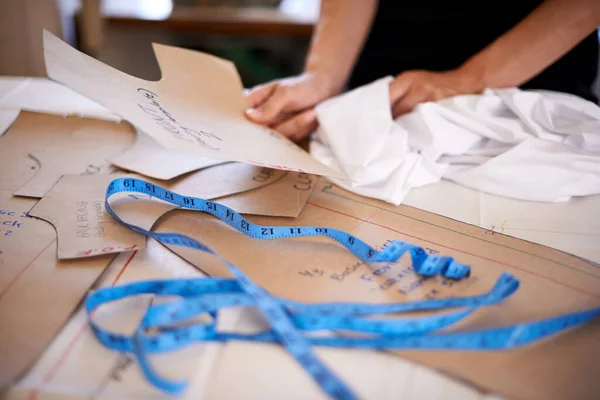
63,357
16,278
460,250
114,282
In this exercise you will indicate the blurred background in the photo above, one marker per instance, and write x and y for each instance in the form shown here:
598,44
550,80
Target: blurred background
266,39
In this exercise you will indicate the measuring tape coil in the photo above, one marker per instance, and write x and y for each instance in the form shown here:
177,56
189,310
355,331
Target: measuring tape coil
165,326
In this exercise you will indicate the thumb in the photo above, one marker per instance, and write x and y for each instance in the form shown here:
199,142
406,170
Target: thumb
399,87
257,95
268,112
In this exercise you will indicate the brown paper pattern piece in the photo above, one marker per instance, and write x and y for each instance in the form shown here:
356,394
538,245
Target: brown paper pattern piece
285,198
38,149
7,117
197,107
148,158
38,293
318,269
75,206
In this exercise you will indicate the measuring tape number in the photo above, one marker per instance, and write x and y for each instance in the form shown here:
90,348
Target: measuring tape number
165,326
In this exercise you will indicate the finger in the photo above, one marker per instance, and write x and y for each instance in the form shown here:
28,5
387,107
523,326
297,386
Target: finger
259,94
268,112
409,101
282,117
440,94
400,86
300,126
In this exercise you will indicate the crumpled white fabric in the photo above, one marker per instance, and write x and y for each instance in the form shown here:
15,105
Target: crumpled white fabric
529,145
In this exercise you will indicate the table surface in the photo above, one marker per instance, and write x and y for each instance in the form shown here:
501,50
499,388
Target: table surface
65,368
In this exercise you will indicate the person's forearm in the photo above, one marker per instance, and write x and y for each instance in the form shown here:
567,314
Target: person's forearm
540,39
338,38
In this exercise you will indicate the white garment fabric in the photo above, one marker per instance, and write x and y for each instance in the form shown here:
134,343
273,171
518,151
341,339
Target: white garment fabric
529,145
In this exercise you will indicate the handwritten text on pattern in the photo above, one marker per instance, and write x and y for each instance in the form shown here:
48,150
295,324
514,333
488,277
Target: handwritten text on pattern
169,123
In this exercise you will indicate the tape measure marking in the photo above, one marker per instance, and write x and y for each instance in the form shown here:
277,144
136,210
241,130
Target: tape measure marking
159,330
423,263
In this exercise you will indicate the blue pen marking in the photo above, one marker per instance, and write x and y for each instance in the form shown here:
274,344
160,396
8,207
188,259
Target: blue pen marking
159,330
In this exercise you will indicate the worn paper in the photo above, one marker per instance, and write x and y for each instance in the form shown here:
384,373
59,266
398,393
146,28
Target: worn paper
197,107
146,157
39,148
75,206
318,269
45,96
37,292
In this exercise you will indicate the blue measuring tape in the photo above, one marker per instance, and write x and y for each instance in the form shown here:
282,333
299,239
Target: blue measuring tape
166,326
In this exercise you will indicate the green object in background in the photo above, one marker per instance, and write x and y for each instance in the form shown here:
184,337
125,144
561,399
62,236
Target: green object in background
252,68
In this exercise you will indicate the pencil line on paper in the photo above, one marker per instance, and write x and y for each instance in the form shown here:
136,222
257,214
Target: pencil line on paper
16,278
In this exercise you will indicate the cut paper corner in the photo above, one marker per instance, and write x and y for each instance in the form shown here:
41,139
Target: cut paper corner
199,113
164,55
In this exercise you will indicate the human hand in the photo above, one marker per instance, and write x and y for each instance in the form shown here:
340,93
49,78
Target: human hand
413,87
287,105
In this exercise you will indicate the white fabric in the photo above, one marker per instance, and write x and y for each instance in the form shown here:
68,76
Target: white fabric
529,145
